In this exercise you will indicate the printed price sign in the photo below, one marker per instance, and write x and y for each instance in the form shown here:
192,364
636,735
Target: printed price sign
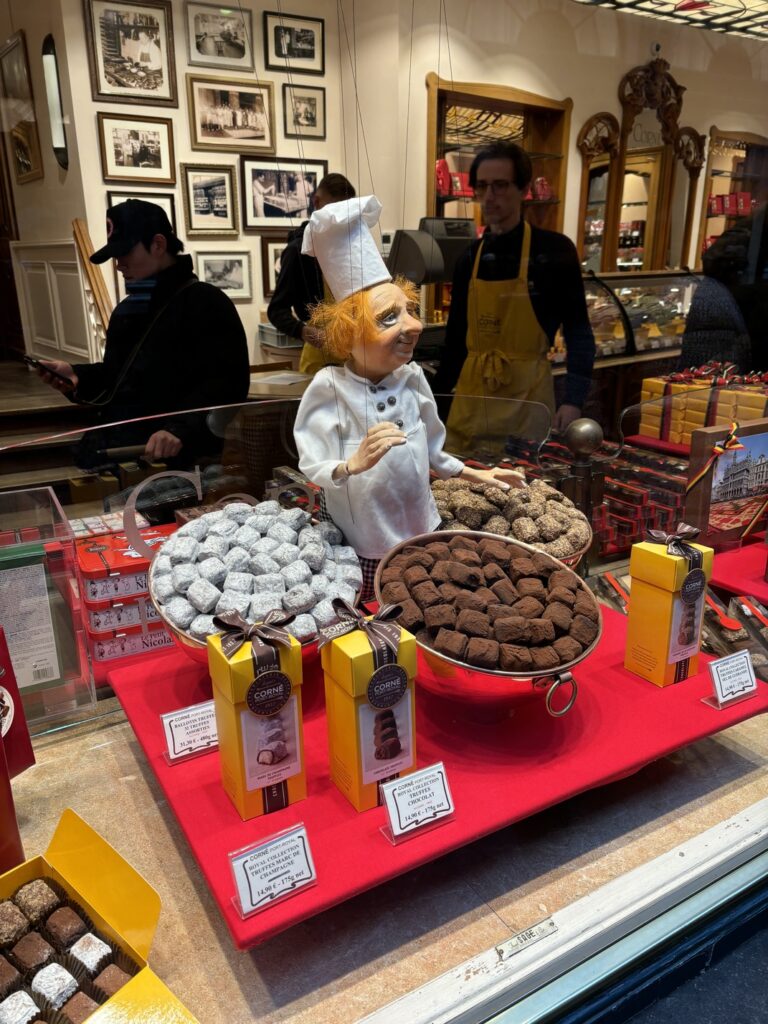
272,870
733,679
420,799
189,731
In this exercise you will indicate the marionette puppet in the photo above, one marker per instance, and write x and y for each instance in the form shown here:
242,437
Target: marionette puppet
368,431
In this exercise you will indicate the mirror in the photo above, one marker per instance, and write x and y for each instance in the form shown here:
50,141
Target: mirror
598,143
53,96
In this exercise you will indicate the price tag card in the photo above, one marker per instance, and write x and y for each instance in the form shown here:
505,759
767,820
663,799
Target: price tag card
270,871
418,801
733,679
189,732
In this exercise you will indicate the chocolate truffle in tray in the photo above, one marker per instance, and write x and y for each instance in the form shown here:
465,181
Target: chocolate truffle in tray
493,604
13,924
36,900
9,977
18,1008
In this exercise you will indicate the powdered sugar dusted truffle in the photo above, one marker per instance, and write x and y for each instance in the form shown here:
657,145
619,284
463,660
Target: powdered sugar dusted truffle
296,518
239,511
286,554
323,613
344,554
330,532
201,626
237,559
299,599
303,627
91,953
348,573
261,604
309,535
283,533
261,563
183,576
295,573
203,596
261,523
269,583
213,570
268,508
213,547
161,564
18,1008
197,528
242,581
245,537
55,984
265,546
180,612
163,588
184,550
234,601
314,556
224,528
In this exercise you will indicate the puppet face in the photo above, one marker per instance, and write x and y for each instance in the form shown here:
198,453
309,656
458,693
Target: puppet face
391,341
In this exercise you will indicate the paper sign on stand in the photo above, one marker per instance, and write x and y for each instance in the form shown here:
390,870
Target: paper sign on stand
733,679
189,732
272,870
417,803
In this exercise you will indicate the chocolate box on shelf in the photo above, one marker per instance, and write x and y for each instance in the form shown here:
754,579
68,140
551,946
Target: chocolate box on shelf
88,873
111,570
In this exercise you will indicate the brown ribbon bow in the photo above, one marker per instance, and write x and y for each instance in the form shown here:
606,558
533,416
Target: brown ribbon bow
382,632
676,541
262,635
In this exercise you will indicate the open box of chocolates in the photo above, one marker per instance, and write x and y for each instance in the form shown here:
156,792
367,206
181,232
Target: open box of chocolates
75,930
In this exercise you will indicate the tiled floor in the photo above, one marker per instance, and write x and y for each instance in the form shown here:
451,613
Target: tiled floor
337,967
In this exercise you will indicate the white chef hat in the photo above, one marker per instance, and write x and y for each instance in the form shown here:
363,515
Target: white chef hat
339,238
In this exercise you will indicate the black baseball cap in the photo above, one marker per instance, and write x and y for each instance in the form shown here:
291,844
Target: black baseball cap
129,223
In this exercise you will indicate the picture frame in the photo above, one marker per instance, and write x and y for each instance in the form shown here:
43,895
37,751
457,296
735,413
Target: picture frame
278,192
137,149
229,270
165,199
219,37
216,124
210,200
294,44
19,122
273,242
732,496
131,51
303,111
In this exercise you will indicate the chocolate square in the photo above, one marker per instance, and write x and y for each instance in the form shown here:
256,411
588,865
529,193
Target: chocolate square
544,564
451,643
449,591
542,631
426,594
506,592
415,574
513,630
483,653
392,574
36,900
468,599
79,1008
515,659
111,980
465,575
32,951
519,567
487,596
466,557
417,556
528,607
65,926
586,605
498,611
462,542
531,586
424,637
439,551
440,572
13,924
583,629
411,617
493,551
394,593
567,649
544,657
563,595
9,976
473,623
493,573
440,616
564,578
560,615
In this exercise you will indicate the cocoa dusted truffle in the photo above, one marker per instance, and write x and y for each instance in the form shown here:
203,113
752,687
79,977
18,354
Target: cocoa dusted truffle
111,980
462,542
415,574
465,575
417,556
542,631
426,594
513,630
498,611
492,551
567,649
506,592
32,951
438,550
531,586
36,900
448,591
79,1008
473,623
392,574
493,573
411,617
563,578
483,653
65,926
440,573
451,643
515,659
544,658
520,567
560,615
563,595
440,616
9,976
544,566
583,629
528,607
467,599
13,924
487,596
586,605
394,593
466,557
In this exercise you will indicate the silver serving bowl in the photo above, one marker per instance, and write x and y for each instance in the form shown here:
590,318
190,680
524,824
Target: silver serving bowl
456,680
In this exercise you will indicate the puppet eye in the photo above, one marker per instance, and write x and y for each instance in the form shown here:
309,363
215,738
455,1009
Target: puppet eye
389,319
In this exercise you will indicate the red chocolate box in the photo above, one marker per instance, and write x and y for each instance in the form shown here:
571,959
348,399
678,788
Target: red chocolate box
111,569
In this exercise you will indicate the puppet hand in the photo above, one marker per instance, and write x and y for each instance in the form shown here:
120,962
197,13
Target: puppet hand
375,445
162,444
511,477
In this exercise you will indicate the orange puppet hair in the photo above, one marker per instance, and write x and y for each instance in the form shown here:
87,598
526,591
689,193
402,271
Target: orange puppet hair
342,322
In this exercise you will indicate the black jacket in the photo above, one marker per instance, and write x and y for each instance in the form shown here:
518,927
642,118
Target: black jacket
299,286
195,355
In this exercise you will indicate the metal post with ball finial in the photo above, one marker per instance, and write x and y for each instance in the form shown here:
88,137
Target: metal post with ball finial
584,483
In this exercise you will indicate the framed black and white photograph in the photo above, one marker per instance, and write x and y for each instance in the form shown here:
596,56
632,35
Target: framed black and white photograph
219,37
130,51
163,199
231,115
210,200
230,271
293,43
136,148
18,111
278,192
303,111
273,242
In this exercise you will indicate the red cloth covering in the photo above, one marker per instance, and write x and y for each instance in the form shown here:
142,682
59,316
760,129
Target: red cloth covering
499,772
741,571
656,444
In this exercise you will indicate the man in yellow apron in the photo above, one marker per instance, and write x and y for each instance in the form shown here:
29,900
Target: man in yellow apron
300,283
512,290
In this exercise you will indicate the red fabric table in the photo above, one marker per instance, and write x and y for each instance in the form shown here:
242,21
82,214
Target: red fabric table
741,571
658,444
499,772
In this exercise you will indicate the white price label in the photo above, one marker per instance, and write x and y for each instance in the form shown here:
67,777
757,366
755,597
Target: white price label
190,730
733,677
270,870
419,799
25,613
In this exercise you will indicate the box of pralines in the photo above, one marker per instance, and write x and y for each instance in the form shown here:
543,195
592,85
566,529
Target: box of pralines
370,707
76,925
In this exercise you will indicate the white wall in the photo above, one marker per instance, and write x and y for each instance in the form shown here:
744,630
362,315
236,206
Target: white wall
377,56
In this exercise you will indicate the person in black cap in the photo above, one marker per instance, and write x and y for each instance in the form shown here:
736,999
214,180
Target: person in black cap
173,343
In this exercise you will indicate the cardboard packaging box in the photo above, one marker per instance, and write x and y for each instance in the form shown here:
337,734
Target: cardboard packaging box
124,909
259,724
111,570
371,716
665,613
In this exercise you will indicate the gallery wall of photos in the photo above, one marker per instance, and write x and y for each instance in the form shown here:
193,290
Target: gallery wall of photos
238,119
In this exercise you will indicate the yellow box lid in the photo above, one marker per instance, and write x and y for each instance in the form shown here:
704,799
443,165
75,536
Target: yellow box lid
349,659
104,880
651,563
233,676
143,1000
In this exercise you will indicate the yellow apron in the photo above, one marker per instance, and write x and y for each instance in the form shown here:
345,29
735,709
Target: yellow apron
506,359
314,358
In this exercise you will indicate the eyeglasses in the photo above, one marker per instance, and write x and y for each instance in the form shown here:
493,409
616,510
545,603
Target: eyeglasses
498,187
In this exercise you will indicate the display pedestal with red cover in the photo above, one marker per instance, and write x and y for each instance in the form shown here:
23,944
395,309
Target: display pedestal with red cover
742,571
499,770
658,444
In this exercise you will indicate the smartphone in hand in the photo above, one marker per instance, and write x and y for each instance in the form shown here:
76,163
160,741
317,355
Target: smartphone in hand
37,365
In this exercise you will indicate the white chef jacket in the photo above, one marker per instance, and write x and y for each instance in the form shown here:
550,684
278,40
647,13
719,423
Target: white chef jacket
391,501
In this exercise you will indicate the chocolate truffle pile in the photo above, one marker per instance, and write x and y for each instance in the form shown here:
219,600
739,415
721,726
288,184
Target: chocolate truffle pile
491,604
537,514
254,559
50,961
